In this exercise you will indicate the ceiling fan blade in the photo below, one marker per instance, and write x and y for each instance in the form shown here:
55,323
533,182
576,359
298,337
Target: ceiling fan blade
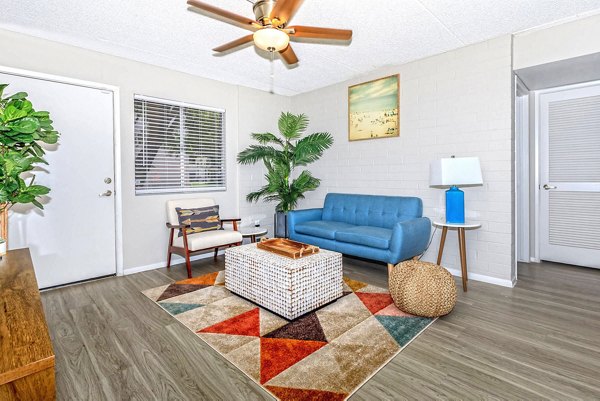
233,44
284,10
289,55
229,16
320,33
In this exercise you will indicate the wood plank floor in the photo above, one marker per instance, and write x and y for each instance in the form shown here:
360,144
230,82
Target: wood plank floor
539,340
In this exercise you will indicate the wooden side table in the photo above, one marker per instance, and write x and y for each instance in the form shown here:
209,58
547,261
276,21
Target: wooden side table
461,227
252,232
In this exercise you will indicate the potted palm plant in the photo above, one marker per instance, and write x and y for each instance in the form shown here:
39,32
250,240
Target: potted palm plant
23,130
282,155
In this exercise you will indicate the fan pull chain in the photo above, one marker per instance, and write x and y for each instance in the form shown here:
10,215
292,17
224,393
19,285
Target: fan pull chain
272,72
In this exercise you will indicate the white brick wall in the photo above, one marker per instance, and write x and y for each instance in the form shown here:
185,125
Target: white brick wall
457,103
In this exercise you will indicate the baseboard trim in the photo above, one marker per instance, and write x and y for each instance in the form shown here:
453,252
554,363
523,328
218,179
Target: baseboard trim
174,261
177,260
485,279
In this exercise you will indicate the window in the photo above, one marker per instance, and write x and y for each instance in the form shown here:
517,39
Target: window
179,147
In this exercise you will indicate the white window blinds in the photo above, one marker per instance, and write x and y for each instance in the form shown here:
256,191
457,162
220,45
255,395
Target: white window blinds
179,147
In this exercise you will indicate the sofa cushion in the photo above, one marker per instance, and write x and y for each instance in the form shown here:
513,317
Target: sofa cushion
209,239
320,228
371,210
375,237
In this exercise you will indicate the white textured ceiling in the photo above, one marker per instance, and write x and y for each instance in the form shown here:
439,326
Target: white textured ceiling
386,32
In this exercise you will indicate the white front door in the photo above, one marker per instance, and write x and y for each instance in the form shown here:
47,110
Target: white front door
73,238
570,176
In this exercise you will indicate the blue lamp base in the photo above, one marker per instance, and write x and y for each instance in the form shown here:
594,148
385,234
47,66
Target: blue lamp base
455,205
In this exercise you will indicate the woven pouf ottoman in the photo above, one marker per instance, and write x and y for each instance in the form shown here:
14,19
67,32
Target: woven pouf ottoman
422,288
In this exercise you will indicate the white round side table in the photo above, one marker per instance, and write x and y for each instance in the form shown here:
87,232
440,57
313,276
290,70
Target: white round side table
252,232
460,227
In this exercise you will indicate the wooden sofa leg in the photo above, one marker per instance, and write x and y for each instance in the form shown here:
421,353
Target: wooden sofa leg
216,252
390,267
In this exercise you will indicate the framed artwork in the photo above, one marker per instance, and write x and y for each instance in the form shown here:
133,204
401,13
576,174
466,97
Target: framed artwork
373,109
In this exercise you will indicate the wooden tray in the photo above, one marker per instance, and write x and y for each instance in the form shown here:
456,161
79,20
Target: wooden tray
287,247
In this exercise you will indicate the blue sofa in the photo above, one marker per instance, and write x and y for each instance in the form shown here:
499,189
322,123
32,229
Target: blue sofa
385,228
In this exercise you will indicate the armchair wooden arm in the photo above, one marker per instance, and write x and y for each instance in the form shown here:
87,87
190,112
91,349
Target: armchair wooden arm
234,221
178,226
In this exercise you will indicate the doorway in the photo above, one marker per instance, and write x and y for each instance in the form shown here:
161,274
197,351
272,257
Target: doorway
558,174
74,237
569,171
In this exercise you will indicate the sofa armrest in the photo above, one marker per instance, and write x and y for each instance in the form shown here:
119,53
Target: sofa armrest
300,216
410,238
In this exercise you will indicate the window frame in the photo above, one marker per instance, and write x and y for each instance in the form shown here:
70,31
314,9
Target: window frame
181,105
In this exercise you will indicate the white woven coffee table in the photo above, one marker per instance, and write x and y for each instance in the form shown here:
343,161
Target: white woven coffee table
288,287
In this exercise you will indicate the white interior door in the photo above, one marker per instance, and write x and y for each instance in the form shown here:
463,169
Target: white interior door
73,238
570,176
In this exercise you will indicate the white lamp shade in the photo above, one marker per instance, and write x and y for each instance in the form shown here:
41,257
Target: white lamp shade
460,171
271,39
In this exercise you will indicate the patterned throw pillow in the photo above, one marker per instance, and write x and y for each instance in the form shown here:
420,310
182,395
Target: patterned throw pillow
199,219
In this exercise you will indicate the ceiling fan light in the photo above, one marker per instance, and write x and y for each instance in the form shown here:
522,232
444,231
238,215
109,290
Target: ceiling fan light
271,39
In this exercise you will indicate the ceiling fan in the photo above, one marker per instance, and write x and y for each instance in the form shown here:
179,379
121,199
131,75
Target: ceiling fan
271,27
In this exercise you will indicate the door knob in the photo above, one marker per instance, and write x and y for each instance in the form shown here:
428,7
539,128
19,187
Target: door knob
548,187
106,193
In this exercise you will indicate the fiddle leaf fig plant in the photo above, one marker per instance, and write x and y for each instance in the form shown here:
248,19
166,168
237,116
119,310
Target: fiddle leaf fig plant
282,155
22,131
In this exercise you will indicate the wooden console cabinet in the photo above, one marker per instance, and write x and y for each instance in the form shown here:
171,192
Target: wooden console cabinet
26,355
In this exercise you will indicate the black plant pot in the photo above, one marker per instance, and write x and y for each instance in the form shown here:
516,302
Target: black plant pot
281,225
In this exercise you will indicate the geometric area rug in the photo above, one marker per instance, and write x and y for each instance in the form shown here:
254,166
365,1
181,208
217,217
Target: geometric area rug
324,355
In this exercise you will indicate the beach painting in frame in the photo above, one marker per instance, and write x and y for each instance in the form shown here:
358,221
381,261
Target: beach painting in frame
373,109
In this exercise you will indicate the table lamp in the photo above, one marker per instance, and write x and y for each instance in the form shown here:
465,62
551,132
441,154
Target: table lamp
452,173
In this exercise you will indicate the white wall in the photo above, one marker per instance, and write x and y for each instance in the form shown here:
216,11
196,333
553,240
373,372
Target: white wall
457,103
573,39
144,234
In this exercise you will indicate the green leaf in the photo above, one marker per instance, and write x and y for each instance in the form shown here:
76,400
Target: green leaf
9,166
26,125
24,197
18,96
2,87
39,160
23,163
292,126
40,114
310,148
38,190
7,141
46,123
37,150
50,137
26,106
26,138
255,153
267,137
11,113
11,184
38,204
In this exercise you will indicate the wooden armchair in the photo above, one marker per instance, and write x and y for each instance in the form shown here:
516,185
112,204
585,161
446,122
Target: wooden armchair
192,244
